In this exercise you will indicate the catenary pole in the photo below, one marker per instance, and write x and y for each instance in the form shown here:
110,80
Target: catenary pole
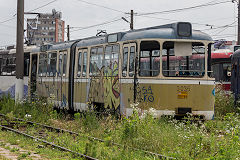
19,85
68,33
131,23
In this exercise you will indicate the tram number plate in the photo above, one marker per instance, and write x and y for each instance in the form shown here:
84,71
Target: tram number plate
182,95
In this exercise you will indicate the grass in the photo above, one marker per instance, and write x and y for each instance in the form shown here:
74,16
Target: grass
215,139
31,145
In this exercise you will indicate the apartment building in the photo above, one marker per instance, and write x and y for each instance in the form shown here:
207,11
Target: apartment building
45,28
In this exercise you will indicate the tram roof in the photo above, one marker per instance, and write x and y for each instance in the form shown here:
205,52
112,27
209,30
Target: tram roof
2,52
25,49
157,32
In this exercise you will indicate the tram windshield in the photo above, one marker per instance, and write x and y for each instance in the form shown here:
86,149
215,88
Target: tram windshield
149,59
182,59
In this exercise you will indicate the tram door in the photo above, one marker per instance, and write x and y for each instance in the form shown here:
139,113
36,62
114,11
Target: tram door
128,77
80,80
62,88
33,75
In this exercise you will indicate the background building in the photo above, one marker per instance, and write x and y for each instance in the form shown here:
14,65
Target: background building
46,27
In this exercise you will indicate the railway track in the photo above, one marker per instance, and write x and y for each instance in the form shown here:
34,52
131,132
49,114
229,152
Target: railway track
48,143
60,130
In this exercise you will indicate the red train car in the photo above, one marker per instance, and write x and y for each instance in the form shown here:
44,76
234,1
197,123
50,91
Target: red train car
221,67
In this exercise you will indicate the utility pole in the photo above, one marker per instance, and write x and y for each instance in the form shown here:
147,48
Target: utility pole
131,23
68,33
19,86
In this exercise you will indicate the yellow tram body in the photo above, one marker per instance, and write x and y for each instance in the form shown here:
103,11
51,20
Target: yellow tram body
152,67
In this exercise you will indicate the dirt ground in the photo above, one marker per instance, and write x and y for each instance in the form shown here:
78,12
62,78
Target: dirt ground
14,152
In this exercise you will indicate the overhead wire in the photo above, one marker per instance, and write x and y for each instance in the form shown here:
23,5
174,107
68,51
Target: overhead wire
96,25
211,3
218,37
223,35
43,6
5,25
143,15
112,9
225,27
174,20
7,20
29,11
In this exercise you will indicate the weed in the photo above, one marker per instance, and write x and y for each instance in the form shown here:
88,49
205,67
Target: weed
14,149
224,103
90,121
188,139
22,156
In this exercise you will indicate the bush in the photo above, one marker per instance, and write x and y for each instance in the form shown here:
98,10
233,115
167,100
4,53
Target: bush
224,103
39,110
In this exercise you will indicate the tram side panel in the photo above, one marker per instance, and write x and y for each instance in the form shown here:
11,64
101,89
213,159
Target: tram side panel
80,94
171,99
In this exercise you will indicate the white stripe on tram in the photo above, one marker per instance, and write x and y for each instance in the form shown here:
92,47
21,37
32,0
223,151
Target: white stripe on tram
141,81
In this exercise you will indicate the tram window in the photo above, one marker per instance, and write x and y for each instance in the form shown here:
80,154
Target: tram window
149,59
26,63
183,59
115,48
131,61
42,71
111,60
107,61
124,63
79,64
52,64
84,72
96,61
60,59
8,65
64,64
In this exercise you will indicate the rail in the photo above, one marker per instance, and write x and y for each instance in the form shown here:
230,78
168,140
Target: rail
90,137
49,143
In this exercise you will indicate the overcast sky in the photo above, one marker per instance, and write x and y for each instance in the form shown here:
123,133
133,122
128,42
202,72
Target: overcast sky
77,13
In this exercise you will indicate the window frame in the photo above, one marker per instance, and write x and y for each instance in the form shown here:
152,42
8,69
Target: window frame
49,61
39,66
84,52
63,53
150,59
64,73
91,74
187,59
112,53
128,46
